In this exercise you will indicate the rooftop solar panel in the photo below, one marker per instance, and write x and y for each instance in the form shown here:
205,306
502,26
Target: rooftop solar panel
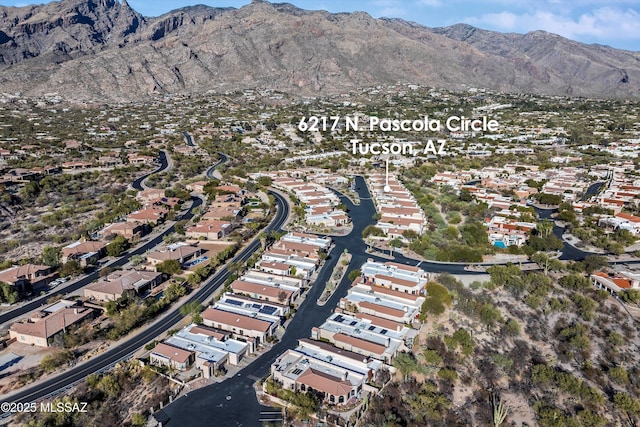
268,310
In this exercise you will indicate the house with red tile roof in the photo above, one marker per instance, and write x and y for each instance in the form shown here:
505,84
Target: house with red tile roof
113,286
145,196
180,252
265,292
43,328
254,331
86,253
27,276
128,230
338,375
173,357
209,229
154,215
614,283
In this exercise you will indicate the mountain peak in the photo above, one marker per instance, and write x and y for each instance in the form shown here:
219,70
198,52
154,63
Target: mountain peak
111,51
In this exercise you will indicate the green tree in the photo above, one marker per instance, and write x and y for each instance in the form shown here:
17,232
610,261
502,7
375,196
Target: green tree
489,315
428,404
174,291
169,266
179,226
372,230
542,260
8,294
109,385
118,246
474,234
594,262
138,420
71,268
137,260
405,363
624,237
619,375
354,274
628,405
264,181
191,308
511,328
630,295
394,244
53,361
51,256
410,235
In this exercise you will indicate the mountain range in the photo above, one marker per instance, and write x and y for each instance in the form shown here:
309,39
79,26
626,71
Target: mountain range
103,50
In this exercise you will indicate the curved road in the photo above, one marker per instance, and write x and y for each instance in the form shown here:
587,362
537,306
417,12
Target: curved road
188,138
164,163
212,169
233,402
126,348
39,301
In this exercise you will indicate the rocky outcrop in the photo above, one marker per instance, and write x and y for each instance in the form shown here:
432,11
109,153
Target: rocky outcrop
101,48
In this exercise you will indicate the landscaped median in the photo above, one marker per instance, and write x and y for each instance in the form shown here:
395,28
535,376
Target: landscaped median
336,277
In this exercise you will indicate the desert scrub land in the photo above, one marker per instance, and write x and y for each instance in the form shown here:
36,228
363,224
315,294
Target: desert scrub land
61,208
524,349
121,397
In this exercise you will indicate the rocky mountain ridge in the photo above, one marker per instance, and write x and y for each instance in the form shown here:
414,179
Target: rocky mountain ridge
104,50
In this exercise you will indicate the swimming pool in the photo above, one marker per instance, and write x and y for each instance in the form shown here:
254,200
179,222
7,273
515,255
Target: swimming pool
196,262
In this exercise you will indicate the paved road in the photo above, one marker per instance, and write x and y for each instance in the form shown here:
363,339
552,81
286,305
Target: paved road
568,252
72,287
126,348
39,301
233,401
593,189
212,169
164,164
188,138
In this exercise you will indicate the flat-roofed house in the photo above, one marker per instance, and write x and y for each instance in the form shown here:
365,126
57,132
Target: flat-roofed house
297,248
398,277
277,268
615,283
213,348
321,242
252,330
337,374
367,335
360,346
